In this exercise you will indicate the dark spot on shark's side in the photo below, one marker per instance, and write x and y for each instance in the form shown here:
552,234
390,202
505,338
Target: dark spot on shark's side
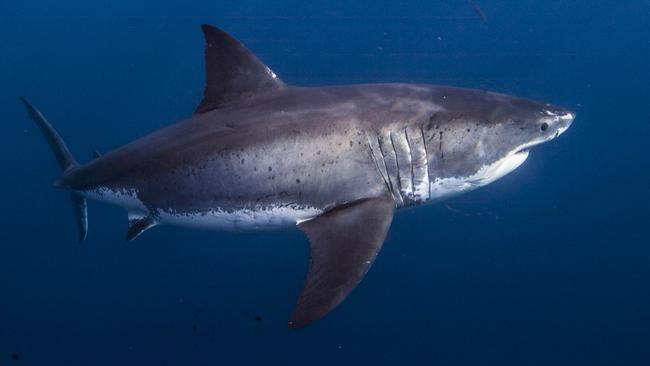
298,181
431,119
270,169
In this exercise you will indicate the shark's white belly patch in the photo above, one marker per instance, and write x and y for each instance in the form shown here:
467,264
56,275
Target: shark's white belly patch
269,218
446,187
127,198
256,218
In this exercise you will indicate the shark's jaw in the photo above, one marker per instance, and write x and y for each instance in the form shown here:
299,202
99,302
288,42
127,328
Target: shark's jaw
442,188
489,173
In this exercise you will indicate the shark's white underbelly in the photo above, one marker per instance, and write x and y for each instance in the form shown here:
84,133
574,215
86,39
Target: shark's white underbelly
254,218
269,218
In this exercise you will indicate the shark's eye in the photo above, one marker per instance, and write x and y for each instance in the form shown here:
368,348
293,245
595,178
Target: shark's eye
544,126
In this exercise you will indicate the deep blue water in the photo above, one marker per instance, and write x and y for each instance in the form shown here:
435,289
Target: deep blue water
550,265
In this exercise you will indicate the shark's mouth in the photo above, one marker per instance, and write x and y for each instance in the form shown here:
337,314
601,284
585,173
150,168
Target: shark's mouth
490,173
525,148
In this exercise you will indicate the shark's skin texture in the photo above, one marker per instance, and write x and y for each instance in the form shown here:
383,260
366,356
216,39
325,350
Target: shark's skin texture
334,161
312,149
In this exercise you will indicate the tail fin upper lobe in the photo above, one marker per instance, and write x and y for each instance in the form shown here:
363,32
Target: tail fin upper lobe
66,162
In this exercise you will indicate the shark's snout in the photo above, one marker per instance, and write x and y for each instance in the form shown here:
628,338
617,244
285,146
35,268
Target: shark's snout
546,125
555,121
566,121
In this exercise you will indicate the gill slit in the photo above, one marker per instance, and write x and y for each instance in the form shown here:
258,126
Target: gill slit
408,144
374,159
399,180
383,158
426,156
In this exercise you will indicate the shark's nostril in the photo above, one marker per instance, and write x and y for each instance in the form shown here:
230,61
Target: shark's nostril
544,126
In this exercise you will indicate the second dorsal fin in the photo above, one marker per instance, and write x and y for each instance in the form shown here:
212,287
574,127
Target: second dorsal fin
232,72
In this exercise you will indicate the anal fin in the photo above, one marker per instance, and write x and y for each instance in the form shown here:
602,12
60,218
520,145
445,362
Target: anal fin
138,224
344,243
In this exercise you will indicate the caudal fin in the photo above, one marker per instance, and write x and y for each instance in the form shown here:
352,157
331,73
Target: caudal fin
66,162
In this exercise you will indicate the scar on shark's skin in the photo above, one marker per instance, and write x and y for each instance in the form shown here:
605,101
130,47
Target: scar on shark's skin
258,154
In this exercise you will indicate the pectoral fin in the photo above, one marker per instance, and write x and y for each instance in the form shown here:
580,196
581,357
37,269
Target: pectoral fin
344,243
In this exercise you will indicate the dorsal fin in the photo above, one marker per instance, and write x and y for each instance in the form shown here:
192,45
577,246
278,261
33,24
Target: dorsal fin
232,72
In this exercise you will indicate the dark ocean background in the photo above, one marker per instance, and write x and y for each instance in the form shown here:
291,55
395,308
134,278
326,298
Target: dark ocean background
548,266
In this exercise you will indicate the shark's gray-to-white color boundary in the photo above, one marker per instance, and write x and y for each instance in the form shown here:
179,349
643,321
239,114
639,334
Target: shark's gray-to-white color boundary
334,161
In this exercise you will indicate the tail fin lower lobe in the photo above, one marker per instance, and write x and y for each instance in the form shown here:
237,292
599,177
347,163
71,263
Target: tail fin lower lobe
66,162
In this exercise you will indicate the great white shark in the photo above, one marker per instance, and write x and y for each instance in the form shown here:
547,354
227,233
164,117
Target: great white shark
336,161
